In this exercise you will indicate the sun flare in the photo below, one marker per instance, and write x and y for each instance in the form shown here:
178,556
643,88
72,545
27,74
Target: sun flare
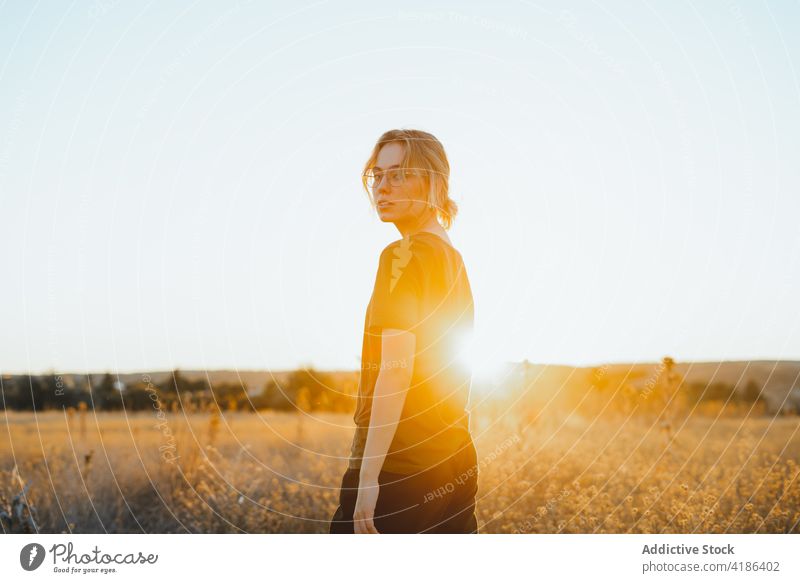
479,356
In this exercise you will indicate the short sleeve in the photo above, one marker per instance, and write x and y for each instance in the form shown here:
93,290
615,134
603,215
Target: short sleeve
397,297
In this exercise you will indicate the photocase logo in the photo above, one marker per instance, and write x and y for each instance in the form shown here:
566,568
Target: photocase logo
31,556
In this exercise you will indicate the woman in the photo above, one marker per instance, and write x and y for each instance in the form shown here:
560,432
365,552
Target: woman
413,466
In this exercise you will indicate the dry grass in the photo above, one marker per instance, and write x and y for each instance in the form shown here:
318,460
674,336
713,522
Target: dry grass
274,472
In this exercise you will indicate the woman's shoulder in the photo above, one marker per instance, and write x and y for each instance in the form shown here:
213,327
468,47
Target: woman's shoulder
419,246
424,250
401,248
400,255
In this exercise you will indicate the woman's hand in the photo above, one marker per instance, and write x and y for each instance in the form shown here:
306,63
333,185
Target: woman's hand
365,508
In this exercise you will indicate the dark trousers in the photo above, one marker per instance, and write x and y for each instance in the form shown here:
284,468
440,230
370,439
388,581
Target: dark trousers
437,500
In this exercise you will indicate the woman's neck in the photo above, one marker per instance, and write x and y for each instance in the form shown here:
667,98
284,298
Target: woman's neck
431,225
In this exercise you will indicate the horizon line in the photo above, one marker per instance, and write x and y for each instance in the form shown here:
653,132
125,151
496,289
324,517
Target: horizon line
54,371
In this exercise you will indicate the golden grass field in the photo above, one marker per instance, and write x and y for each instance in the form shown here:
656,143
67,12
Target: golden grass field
279,472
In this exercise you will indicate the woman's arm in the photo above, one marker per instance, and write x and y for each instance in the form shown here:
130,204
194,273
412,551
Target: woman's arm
394,378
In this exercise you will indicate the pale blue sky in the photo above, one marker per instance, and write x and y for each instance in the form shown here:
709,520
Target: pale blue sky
179,184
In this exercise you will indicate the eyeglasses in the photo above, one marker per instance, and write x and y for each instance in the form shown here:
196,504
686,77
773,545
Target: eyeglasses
395,176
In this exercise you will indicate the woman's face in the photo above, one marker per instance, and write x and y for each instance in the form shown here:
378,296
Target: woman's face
398,203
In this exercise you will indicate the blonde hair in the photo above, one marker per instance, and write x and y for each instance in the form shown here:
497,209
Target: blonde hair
423,152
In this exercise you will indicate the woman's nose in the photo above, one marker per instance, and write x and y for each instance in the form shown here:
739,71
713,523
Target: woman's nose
383,185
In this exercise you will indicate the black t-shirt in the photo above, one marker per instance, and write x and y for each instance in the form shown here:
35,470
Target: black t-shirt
421,286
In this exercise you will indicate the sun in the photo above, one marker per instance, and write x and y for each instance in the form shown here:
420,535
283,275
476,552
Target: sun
478,354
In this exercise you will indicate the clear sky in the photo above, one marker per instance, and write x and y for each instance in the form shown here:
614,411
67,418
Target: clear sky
179,184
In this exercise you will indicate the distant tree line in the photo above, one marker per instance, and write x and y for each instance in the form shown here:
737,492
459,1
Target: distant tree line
305,389
660,392
664,391
718,391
